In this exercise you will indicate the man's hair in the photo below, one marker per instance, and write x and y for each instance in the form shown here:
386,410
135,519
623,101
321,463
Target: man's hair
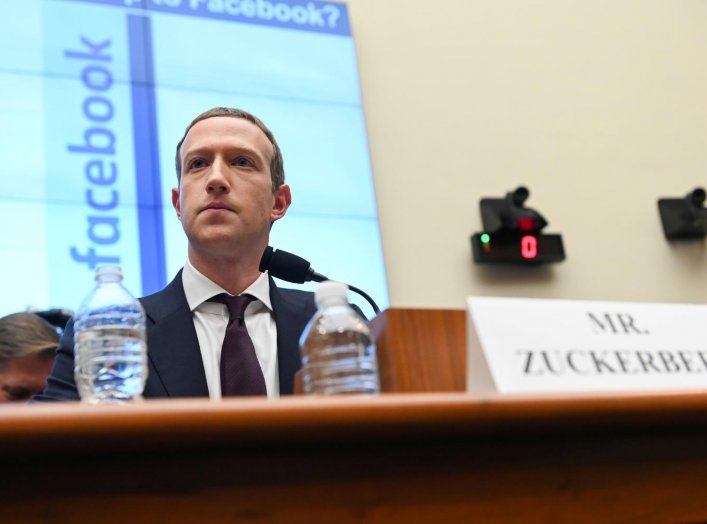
277,168
24,335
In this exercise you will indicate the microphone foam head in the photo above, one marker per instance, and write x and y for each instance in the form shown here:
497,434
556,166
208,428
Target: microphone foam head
265,260
288,267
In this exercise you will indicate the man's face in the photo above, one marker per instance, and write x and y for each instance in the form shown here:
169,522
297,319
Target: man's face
225,200
21,378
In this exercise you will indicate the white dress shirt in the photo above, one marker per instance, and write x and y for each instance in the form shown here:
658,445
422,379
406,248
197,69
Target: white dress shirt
211,318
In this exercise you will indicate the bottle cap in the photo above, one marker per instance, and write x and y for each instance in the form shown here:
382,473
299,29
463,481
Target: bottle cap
109,274
331,292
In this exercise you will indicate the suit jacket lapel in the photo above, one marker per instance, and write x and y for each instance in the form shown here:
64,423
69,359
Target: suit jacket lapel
172,345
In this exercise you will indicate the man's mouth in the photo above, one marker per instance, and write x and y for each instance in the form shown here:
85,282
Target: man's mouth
217,206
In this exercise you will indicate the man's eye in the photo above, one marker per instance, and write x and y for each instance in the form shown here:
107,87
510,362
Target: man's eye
197,163
242,161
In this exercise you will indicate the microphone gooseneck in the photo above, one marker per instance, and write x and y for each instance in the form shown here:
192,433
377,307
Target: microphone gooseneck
292,268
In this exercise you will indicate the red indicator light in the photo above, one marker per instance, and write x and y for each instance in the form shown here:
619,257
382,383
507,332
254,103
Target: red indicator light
526,224
529,247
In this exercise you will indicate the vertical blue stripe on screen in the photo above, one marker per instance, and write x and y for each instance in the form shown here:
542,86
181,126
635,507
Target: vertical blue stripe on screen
147,166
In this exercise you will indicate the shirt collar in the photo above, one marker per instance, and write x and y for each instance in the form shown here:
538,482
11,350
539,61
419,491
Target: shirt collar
199,288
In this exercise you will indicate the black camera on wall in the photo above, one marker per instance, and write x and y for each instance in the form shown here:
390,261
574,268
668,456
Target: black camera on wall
512,233
684,218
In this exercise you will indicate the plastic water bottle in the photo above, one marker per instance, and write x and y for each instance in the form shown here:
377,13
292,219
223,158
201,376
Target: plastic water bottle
110,352
338,352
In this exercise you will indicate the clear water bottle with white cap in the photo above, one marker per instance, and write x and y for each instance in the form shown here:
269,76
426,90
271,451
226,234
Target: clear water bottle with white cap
337,349
110,351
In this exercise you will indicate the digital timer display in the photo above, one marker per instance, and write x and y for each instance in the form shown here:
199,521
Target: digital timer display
516,248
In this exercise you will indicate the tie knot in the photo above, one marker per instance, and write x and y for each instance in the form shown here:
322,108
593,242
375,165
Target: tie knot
236,305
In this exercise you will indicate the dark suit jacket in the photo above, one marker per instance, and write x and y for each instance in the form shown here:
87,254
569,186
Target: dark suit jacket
174,357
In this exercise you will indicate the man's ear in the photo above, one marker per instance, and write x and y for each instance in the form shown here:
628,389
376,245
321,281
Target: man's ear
282,200
175,202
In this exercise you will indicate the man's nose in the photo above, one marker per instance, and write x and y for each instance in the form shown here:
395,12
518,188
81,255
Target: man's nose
217,181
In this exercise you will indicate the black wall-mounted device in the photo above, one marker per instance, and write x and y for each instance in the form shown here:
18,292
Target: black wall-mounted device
512,233
684,218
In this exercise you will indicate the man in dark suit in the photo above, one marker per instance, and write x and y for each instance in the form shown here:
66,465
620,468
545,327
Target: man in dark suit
230,191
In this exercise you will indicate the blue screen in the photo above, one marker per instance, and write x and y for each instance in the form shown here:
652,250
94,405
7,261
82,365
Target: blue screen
95,95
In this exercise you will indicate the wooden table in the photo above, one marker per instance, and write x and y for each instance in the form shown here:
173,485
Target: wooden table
408,458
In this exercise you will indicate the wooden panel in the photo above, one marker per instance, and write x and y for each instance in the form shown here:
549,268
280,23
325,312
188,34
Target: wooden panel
416,458
421,349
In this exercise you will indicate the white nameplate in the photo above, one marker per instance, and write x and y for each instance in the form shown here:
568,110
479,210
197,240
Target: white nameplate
557,346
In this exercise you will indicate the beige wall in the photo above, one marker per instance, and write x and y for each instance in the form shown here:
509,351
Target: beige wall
599,107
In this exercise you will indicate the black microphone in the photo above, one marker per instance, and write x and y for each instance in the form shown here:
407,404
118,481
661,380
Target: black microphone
291,268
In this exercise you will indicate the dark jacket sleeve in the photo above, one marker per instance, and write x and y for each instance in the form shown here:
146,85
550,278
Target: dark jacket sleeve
60,384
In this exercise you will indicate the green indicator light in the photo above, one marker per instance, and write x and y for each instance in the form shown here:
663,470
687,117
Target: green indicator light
485,238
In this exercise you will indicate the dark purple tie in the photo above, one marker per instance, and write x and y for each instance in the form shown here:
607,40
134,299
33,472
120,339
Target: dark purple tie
241,374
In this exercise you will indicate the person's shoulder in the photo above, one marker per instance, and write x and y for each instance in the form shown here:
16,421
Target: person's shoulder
174,286
292,298
167,298
295,295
